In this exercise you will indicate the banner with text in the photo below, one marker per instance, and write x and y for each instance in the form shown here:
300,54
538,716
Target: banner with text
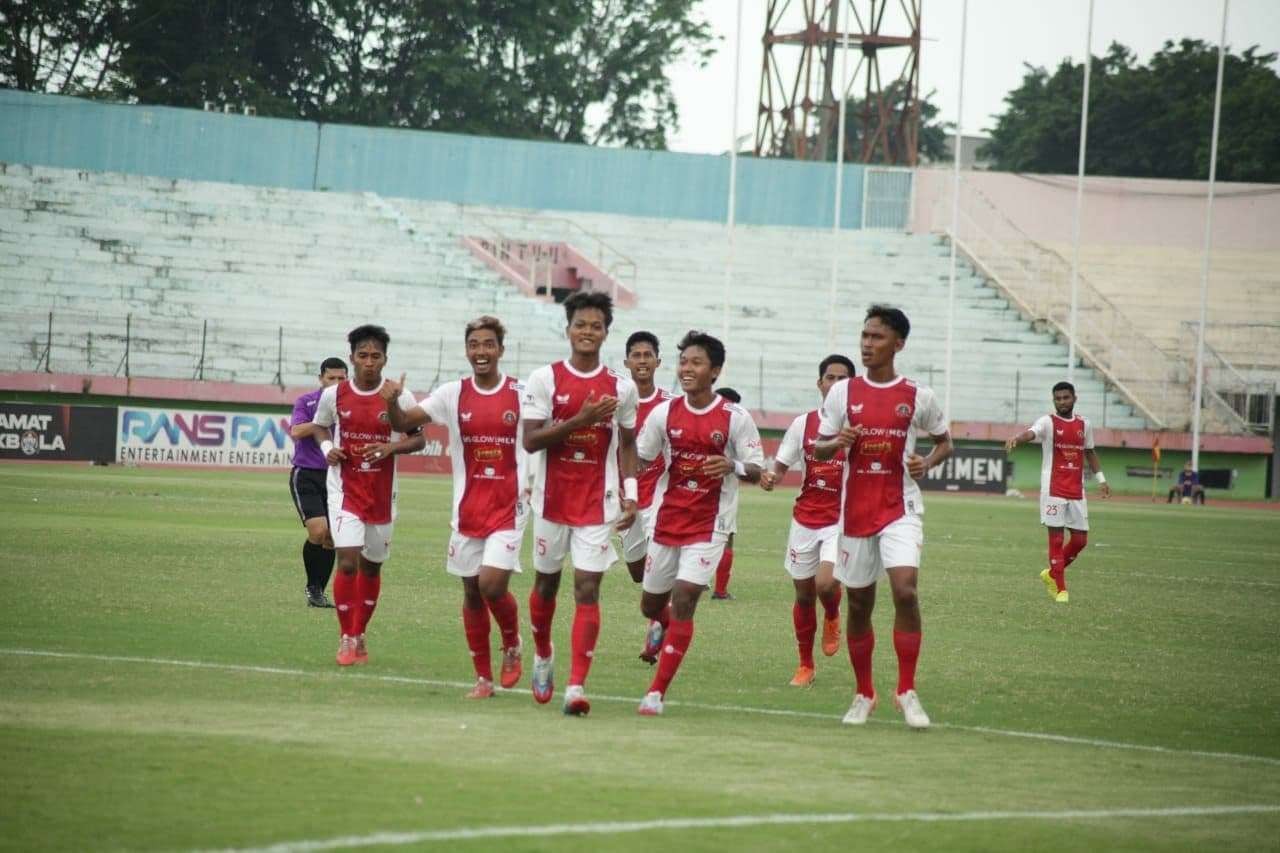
57,433
199,437
970,469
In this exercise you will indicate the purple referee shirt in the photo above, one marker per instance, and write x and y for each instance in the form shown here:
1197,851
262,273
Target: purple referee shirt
306,453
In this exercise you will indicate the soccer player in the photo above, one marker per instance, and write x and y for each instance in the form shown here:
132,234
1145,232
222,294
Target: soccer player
360,446
582,416
490,507
643,362
709,444
815,526
1064,438
724,570
874,418
307,486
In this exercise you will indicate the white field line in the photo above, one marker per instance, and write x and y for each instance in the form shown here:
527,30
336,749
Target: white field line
702,706
738,821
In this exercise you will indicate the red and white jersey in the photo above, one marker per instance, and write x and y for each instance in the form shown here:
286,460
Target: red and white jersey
486,453
1063,442
818,504
648,475
576,483
877,489
358,418
688,506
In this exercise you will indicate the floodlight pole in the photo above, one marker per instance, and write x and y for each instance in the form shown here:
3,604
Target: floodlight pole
955,214
1075,228
841,111
733,177
1208,245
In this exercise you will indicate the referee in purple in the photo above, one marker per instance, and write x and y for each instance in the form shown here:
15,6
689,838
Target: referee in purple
308,485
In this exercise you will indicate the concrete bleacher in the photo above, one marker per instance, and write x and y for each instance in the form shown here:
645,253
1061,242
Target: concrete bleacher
256,263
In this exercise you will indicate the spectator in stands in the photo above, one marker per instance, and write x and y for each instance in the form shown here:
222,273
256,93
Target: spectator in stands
1188,487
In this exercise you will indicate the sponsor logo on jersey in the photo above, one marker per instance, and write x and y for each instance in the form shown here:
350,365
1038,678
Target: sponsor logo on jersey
562,399
583,437
856,408
870,448
464,416
902,410
676,433
1060,431
486,454
345,414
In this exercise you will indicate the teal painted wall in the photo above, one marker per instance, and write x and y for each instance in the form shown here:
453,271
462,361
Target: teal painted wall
180,143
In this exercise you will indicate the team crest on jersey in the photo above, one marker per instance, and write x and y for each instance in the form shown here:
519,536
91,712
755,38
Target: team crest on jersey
717,438
382,418
509,418
902,410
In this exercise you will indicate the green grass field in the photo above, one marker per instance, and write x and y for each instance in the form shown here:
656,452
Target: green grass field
164,687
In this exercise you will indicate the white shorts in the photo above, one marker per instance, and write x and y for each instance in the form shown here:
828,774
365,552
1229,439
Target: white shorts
500,549
696,563
635,539
807,547
1063,512
373,540
864,559
588,547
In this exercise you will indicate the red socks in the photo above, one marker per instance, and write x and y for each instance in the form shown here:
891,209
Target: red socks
860,649
805,619
1057,561
676,643
541,612
723,570
907,645
367,589
831,609
1079,539
586,628
475,623
345,600
507,614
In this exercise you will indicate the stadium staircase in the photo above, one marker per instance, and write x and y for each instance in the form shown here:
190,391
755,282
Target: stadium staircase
249,284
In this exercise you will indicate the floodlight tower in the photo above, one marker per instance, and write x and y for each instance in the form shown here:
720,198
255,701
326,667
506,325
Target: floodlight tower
799,104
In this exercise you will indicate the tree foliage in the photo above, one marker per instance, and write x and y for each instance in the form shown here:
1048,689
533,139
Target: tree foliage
1152,120
571,70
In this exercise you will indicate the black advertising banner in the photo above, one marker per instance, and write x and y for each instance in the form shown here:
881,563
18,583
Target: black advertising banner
57,433
970,469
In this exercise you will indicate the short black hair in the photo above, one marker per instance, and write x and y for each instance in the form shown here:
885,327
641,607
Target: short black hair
1065,386
710,345
891,317
729,394
835,358
485,321
368,332
642,338
332,364
589,299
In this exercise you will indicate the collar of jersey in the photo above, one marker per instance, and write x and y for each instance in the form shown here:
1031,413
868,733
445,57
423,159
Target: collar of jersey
715,401
569,367
352,383
657,392
502,381
888,384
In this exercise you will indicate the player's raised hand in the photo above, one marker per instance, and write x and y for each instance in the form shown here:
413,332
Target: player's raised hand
916,466
717,466
596,409
628,516
768,480
390,390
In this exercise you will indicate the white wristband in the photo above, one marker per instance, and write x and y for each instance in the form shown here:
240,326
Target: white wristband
739,468
326,446
630,489
1100,477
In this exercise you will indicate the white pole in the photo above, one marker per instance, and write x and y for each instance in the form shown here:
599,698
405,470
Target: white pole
955,214
733,178
841,109
1075,228
1208,244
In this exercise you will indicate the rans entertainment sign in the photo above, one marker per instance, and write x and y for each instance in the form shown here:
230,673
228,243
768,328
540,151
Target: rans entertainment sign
197,437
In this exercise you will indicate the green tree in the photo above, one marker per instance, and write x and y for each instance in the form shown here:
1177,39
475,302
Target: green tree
67,47
1146,121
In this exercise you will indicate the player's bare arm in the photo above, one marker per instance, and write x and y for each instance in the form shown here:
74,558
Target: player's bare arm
918,466
769,479
826,447
1021,438
1095,465
400,420
539,435
323,437
307,430
627,470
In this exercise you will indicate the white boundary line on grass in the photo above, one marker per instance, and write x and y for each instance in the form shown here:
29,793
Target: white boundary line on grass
702,706
379,839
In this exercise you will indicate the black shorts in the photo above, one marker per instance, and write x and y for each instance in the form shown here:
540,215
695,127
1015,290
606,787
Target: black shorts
310,492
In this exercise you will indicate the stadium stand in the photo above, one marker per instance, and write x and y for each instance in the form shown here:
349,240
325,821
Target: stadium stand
280,275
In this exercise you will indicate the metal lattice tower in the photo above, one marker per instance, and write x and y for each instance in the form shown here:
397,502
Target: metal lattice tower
799,106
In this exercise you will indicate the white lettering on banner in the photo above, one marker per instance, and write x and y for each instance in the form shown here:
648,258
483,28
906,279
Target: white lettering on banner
18,421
